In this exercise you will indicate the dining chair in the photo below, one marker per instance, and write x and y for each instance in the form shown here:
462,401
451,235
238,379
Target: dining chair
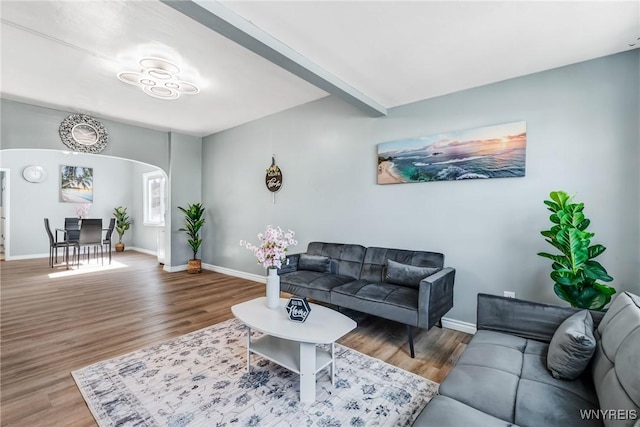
72,226
90,235
107,238
54,245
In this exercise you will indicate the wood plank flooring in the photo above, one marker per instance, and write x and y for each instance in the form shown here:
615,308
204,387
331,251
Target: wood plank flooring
51,326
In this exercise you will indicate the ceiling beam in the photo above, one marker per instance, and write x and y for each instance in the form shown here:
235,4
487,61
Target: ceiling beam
229,24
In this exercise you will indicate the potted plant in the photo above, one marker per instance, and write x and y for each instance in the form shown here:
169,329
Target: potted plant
123,222
575,273
193,220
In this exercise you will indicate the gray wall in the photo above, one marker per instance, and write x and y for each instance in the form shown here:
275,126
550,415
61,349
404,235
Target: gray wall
582,137
30,126
185,187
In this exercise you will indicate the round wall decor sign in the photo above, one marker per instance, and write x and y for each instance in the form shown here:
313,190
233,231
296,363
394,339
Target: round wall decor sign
273,179
83,133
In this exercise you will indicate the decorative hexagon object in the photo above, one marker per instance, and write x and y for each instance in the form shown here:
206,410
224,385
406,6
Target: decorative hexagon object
298,309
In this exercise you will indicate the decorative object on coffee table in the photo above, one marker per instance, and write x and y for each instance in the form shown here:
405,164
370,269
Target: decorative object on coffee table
575,273
298,309
193,221
273,287
123,223
271,253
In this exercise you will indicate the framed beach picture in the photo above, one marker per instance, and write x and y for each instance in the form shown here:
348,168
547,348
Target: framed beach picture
488,152
76,184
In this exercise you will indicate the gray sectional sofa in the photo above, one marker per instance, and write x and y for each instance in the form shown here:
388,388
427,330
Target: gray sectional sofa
410,287
501,379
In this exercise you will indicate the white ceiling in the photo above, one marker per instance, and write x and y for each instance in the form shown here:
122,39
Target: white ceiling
66,54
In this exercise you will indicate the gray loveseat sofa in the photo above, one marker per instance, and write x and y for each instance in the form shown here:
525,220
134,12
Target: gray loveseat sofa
410,287
501,379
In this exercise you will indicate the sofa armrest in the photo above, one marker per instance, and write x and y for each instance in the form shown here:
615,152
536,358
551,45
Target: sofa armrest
435,297
290,265
522,318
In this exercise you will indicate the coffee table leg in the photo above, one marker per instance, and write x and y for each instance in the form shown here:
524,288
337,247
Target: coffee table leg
333,364
307,372
248,350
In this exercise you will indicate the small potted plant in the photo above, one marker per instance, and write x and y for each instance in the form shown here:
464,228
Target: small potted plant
271,253
193,221
123,222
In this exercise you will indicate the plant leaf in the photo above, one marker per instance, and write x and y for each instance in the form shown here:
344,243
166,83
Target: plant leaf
560,197
594,270
595,250
566,293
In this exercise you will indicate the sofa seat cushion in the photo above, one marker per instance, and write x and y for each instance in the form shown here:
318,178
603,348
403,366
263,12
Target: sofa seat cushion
442,411
312,284
498,373
393,302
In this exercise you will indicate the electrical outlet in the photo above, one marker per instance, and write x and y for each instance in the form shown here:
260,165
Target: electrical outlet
509,294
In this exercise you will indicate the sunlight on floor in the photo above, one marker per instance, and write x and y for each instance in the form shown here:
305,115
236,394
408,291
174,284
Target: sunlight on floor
87,268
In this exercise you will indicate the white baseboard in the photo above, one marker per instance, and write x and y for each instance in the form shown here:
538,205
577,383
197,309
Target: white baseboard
454,324
174,268
459,325
144,251
19,257
235,273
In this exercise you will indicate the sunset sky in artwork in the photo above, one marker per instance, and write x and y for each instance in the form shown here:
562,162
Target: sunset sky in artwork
490,137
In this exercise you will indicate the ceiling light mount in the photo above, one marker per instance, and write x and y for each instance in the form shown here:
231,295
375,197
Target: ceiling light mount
159,78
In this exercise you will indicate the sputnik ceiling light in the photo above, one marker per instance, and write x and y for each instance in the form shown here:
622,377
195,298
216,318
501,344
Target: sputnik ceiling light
159,78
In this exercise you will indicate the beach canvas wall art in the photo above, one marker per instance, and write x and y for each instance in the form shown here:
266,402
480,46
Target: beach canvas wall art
488,152
76,184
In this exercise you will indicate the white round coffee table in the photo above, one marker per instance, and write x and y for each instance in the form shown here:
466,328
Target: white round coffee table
293,344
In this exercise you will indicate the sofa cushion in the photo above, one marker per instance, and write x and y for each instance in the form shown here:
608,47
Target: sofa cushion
572,346
491,372
617,357
346,259
388,301
405,274
318,263
375,260
442,411
312,284
539,404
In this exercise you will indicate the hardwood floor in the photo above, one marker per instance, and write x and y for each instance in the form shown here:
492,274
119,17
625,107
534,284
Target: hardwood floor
53,325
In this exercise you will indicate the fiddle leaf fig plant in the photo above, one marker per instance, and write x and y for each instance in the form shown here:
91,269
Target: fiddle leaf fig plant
576,275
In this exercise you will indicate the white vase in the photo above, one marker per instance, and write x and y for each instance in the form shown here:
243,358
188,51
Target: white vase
273,288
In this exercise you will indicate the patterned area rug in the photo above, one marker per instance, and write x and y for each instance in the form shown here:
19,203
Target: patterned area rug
201,379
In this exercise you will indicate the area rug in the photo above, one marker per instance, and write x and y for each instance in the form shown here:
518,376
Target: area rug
201,379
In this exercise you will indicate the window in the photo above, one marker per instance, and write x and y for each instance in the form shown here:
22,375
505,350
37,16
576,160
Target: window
154,198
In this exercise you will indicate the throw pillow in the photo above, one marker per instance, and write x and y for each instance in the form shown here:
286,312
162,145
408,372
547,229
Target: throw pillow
314,263
406,275
572,346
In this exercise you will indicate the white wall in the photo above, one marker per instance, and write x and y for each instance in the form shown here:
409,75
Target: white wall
582,137
26,126
116,182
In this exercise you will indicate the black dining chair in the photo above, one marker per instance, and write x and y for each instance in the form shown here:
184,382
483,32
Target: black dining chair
72,227
90,235
107,238
54,245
